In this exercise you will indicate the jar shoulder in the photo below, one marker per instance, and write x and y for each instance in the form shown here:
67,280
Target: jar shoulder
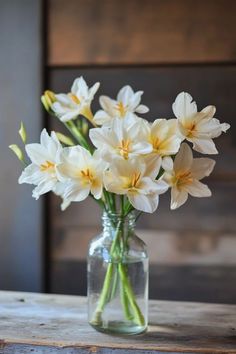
101,245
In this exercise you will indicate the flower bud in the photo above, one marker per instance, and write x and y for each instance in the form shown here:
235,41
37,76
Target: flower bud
47,100
18,152
22,132
64,139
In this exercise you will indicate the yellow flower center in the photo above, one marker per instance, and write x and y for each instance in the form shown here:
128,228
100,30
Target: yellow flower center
46,166
155,141
87,175
191,129
135,179
124,148
121,109
183,178
74,98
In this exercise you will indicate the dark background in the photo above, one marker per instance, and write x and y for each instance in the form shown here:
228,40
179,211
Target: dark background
161,47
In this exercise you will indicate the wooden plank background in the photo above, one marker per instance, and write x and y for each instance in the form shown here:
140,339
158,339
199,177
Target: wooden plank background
137,32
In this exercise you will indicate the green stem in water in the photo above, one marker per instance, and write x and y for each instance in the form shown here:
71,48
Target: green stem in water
138,316
107,281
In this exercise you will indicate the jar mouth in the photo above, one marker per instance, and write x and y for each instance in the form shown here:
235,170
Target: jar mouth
118,215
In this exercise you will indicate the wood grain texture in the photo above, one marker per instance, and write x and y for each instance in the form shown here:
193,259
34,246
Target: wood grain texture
136,31
58,324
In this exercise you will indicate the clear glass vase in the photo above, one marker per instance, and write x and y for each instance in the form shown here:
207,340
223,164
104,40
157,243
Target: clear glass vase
118,278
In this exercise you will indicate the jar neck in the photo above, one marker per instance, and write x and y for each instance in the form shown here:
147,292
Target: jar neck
112,221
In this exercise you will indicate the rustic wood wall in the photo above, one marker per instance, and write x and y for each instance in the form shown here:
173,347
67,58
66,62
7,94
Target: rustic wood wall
162,47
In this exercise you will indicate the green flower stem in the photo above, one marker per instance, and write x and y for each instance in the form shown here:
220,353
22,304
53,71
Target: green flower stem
107,281
117,272
125,302
78,135
103,297
138,316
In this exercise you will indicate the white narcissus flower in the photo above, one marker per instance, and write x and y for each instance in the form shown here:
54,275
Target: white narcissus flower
127,101
121,139
81,173
164,136
136,179
184,175
198,127
44,156
77,102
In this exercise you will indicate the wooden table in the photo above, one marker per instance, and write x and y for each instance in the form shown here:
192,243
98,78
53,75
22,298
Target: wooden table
39,323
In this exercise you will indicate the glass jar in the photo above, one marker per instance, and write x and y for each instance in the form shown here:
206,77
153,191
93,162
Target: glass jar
118,278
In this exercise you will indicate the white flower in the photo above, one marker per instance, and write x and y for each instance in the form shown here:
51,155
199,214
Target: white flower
77,102
81,173
127,102
121,139
184,174
44,156
198,127
136,179
164,136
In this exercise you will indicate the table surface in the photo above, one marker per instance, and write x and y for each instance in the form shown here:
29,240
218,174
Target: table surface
46,323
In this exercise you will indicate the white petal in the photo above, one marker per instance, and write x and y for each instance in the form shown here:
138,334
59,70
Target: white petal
76,192
209,111
142,148
37,153
146,203
101,117
102,136
96,189
113,183
80,88
44,187
178,198
31,175
72,114
93,90
107,104
142,109
167,163
65,203
153,164
134,101
184,158
205,146
198,189
125,94
184,106
225,127
202,167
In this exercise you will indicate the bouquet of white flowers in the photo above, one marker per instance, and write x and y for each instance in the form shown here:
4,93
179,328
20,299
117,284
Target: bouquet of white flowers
122,161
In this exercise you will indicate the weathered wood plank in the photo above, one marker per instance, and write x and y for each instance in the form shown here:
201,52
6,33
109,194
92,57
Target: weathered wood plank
136,31
59,322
